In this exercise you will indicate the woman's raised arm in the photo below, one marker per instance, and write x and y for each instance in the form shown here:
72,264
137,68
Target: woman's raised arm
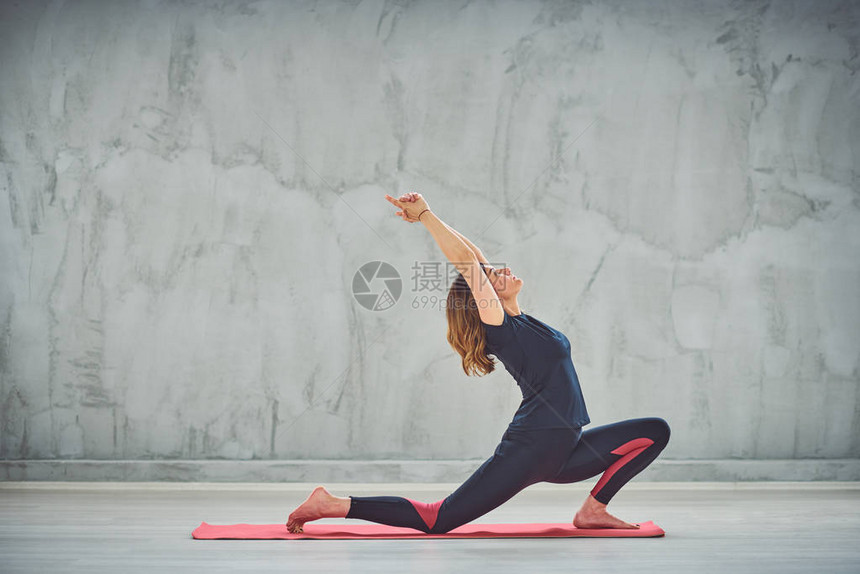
410,197
478,253
459,253
454,248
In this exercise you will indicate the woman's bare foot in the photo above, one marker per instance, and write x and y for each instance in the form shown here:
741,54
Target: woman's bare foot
593,514
319,504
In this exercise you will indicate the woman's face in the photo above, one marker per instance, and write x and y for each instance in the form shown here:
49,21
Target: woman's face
506,284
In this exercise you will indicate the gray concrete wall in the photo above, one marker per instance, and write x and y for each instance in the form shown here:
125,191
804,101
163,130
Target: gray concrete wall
189,190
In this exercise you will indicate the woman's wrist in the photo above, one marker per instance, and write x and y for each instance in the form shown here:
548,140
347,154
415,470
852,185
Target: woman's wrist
422,213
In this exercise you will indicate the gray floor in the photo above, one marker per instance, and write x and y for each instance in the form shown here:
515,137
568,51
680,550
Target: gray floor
710,527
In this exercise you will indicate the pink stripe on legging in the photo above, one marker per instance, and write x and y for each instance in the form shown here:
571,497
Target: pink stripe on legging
428,512
630,450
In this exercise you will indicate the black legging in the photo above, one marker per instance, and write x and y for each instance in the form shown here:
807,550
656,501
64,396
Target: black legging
619,450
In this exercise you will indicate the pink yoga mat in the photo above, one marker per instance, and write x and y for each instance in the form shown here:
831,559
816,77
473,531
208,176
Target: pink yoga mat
361,531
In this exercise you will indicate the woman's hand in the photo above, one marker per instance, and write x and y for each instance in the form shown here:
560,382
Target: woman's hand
411,206
410,197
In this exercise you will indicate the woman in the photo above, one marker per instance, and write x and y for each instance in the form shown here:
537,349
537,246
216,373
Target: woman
544,442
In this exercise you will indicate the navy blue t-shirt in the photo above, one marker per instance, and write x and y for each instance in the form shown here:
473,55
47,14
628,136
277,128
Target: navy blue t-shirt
538,357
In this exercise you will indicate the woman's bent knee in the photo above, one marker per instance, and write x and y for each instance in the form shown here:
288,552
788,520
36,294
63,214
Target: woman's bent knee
662,430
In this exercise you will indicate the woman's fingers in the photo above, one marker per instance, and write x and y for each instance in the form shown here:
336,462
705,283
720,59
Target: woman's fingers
394,201
406,217
410,197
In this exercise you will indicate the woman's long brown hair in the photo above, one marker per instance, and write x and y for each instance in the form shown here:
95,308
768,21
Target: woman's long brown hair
465,332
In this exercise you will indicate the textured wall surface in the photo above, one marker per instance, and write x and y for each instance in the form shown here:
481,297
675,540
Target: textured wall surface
189,189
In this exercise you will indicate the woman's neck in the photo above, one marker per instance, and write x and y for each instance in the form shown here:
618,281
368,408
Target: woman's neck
512,308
